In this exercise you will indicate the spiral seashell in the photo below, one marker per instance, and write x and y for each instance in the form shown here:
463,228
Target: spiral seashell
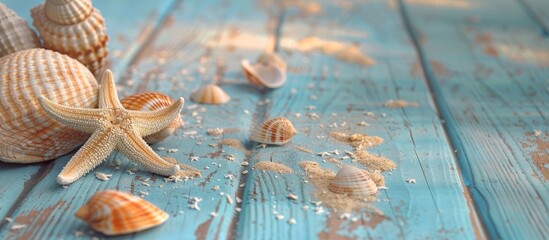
115,213
353,181
27,133
210,94
75,28
269,71
15,33
276,131
151,101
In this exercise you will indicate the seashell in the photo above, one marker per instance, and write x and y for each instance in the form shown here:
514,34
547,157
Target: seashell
277,131
115,213
27,133
16,34
269,71
210,94
75,28
150,101
353,181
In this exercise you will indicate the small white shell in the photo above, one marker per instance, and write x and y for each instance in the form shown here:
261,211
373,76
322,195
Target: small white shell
75,28
269,71
210,94
15,33
276,131
114,213
353,181
151,101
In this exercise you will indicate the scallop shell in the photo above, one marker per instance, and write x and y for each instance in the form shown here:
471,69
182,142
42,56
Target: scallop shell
269,71
16,34
150,101
210,94
75,28
27,133
277,131
114,213
353,181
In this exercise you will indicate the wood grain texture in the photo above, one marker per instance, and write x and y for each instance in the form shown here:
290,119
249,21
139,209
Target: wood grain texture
490,84
434,207
539,12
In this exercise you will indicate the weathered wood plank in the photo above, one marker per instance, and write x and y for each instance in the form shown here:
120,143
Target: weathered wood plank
22,178
434,207
539,12
186,52
488,71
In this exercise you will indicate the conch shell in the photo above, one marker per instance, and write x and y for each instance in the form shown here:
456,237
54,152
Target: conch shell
75,28
210,94
27,133
276,131
15,33
269,71
353,181
151,101
115,213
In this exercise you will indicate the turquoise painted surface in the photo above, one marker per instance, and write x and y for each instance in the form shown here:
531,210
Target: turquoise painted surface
490,85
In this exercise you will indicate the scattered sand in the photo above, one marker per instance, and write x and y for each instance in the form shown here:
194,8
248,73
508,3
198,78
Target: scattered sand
236,144
273,167
340,202
343,51
186,171
361,141
400,104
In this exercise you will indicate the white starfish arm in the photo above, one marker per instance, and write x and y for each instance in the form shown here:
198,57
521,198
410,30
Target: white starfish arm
92,153
136,149
108,97
147,123
84,120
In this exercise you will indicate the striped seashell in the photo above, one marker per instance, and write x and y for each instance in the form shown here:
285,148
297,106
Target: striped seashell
27,133
277,131
353,181
15,33
150,101
115,213
210,94
269,71
75,28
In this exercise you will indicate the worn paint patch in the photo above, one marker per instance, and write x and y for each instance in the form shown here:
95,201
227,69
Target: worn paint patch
33,220
539,153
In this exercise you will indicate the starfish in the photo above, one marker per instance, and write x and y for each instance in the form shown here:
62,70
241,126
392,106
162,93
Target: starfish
112,127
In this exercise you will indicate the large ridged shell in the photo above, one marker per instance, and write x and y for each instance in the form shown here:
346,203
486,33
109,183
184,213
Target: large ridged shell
210,94
15,34
114,213
75,28
353,181
269,71
151,101
277,131
27,133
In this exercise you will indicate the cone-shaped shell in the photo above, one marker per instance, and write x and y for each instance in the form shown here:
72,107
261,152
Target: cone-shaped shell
74,28
269,71
27,133
277,131
15,34
353,181
210,94
151,101
114,213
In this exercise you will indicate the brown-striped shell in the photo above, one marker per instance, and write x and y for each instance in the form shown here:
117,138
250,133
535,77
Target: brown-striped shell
115,213
15,34
151,101
27,133
269,71
353,181
75,28
210,94
276,131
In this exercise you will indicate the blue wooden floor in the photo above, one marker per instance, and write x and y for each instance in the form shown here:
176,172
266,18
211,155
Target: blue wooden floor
477,144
